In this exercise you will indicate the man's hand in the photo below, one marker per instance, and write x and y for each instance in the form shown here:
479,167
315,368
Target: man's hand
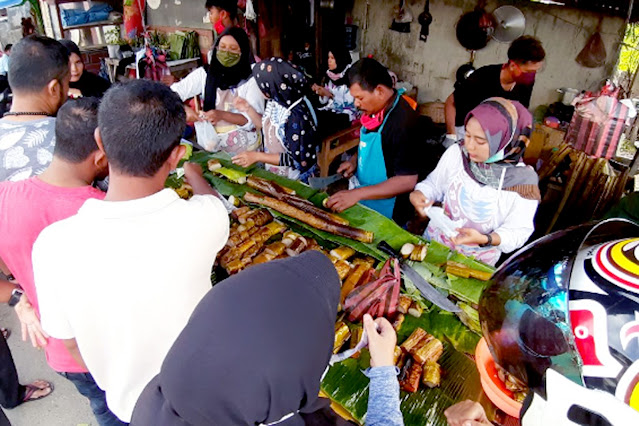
381,341
420,202
241,104
469,236
246,158
30,322
191,115
192,171
347,168
343,200
466,413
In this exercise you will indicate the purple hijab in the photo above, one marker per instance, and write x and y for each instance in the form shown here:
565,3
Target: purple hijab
508,126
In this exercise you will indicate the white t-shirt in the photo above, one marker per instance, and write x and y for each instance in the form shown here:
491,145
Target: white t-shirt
123,278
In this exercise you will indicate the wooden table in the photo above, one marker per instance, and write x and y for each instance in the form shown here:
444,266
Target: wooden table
337,144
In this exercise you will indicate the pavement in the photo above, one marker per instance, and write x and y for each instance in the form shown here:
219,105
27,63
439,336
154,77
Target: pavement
64,406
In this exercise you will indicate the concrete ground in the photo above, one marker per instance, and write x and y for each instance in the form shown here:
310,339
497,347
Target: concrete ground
64,406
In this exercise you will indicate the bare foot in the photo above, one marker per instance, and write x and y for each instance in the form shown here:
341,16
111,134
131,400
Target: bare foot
36,390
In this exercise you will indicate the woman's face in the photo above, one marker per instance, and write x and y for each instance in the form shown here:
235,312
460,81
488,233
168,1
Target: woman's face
332,64
76,67
476,142
229,44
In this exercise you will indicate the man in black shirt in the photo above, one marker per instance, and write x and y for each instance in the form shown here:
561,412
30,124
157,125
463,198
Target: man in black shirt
513,80
391,151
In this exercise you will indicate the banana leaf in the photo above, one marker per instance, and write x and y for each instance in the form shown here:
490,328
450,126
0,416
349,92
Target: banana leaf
346,385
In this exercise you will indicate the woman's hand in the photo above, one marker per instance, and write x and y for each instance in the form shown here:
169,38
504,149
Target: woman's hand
381,341
420,202
468,237
322,91
213,116
466,413
241,104
191,115
246,158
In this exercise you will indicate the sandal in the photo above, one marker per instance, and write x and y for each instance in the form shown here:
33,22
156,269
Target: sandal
5,332
37,390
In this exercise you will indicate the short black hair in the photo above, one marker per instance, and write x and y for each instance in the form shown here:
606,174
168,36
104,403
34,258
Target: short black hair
229,5
75,127
8,47
71,47
140,123
369,74
35,61
526,49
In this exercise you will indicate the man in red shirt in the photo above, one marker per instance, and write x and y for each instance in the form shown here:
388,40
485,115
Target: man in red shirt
29,206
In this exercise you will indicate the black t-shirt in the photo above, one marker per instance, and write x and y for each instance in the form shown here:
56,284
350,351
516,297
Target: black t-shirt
405,152
91,85
483,84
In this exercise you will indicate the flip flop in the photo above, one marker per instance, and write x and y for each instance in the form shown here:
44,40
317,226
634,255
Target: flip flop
32,388
5,332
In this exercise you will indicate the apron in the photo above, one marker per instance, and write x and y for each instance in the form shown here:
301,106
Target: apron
371,168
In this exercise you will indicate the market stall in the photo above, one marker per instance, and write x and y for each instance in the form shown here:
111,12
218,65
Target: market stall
275,217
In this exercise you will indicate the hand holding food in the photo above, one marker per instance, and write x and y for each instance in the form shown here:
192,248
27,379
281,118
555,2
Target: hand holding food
343,200
191,115
420,202
213,116
192,170
469,236
381,341
466,413
241,104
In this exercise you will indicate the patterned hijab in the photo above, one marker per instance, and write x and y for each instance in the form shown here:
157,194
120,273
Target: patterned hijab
283,83
508,126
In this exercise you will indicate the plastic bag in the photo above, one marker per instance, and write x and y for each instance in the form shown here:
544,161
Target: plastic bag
440,220
206,135
593,54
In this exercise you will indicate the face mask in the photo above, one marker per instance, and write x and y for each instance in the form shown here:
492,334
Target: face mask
372,122
526,78
228,59
219,27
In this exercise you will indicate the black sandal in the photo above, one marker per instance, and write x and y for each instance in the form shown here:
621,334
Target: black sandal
5,332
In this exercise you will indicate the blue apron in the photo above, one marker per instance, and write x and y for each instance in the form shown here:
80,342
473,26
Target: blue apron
371,168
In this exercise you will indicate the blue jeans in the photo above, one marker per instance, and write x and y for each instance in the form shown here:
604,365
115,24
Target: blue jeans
86,385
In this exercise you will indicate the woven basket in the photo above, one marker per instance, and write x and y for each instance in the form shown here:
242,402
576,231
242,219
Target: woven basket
434,110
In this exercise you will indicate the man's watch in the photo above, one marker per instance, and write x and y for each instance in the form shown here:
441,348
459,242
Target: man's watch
488,243
16,294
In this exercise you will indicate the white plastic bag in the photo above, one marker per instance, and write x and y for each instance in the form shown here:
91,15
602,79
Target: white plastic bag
207,137
440,220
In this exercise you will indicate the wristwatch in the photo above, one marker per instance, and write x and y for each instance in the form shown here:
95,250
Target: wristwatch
16,294
489,242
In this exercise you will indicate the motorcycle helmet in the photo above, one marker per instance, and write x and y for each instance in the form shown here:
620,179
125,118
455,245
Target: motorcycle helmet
562,316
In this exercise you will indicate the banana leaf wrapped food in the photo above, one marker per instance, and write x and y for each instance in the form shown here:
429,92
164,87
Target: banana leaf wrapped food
185,191
351,281
414,339
342,252
404,304
430,350
343,268
233,175
342,333
412,376
461,270
432,376
377,298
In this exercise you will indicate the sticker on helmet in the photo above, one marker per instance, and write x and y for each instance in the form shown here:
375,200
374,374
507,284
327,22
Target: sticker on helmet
618,263
628,386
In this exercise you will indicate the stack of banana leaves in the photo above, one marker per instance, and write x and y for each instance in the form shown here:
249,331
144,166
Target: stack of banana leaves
360,229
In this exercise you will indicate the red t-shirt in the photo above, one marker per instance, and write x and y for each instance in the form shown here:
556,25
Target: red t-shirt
26,208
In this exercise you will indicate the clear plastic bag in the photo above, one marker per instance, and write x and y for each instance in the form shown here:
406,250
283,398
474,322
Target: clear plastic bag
207,137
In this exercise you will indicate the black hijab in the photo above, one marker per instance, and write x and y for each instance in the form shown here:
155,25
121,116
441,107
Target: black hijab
343,61
253,351
222,77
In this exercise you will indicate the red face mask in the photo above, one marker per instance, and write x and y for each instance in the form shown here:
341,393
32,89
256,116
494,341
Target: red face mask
219,27
372,122
526,78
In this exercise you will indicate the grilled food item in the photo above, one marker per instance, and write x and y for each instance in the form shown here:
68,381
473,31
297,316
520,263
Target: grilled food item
404,304
410,383
268,187
233,175
235,214
414,339
185,191
399,320
343,268
236,252
289,237
415,309
406,250
297,247
356,336
257,217
368,261
310,219
235,266
397,353
461,270
432,376
275,249
419,253
342,333
268,231
430,350
213,164
351,281
310,208
342,252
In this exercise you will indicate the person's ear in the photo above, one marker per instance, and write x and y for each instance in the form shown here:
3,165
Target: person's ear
54,88
98,140
176,156
379,91
100,160
223,15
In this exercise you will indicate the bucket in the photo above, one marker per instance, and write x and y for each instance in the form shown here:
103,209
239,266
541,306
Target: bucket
569,95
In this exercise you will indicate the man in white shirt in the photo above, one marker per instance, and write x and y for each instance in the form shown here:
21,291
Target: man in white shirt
4,60
119,280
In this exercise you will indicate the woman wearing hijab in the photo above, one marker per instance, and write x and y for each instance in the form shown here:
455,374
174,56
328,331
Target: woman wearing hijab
82,82
232,102
334,92
289,122
484,182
